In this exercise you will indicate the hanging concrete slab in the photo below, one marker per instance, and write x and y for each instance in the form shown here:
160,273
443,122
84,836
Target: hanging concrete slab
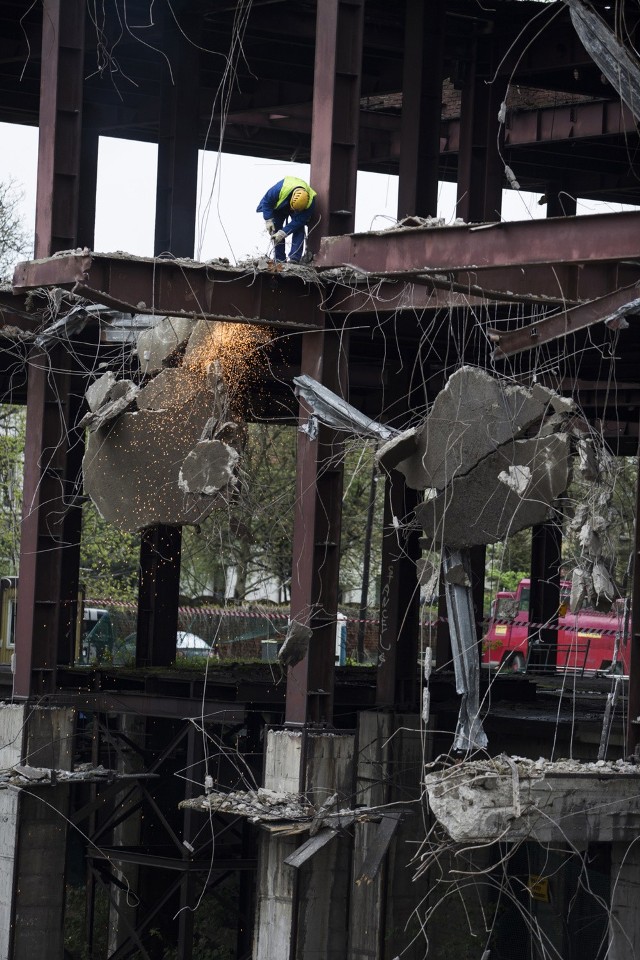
470,419
516,799
163,341
479,509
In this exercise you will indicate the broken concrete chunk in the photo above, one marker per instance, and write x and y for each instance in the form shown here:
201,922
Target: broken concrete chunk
473,416
589,540
119,398
98,392
456,574
587,460
478,509
131,470
296,644
603,586
162,341
208,468
397,449
517,478
550,397
200,338
580,589
169,388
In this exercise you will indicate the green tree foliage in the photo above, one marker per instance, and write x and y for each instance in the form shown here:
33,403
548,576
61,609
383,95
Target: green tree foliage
12,436
252,532
108,558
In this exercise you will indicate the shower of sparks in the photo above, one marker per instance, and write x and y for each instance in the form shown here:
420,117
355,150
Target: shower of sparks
238,349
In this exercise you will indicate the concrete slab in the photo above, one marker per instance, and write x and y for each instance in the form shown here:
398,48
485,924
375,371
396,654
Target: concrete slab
118,398
470,418
132,465
163,341
513,798
479,509
208,468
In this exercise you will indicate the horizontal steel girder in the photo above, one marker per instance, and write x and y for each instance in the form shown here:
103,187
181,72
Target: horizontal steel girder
567,322
177,288
477,247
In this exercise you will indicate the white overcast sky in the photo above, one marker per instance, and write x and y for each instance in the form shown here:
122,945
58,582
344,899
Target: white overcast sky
229,190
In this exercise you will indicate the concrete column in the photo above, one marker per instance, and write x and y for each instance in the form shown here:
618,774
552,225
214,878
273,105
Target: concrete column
34,834
624,923
276,881
302,913
390,757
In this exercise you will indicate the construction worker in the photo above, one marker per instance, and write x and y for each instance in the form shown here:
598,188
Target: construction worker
287,208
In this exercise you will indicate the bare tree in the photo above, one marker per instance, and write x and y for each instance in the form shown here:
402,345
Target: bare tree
14,239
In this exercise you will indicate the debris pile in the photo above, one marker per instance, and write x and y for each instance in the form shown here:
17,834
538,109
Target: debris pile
514,798
591,582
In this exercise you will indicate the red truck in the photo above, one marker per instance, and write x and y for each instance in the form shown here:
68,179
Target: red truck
588,641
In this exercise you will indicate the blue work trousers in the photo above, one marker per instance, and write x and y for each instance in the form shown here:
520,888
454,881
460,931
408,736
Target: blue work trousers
297,241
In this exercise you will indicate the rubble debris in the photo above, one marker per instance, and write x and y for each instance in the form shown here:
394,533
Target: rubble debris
161,342
99,391
470,419
587,461
581,584
296,644
594,583
478,509
513,798
258,806
603,586
398,449
25,775
288,814
158,454
118,398
208,468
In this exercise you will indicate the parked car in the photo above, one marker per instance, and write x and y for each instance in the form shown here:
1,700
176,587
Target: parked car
189,645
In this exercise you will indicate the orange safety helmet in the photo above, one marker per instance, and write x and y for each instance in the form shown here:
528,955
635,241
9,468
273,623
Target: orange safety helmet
299,199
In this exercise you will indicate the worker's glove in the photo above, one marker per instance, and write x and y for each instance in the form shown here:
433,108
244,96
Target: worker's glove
270,227
279,237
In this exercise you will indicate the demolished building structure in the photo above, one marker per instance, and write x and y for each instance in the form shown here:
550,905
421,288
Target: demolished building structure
505,320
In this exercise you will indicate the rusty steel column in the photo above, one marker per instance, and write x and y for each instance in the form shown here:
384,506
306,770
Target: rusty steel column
336,116
421,108
316,540
633,712
176,201
50,539
480,169
316,533
560,203
397,676
177,183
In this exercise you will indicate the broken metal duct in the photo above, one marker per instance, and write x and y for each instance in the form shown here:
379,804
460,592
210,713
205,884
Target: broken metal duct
335,412
464,643
617,62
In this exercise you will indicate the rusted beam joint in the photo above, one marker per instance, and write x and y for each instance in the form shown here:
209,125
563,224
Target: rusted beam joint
177,288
